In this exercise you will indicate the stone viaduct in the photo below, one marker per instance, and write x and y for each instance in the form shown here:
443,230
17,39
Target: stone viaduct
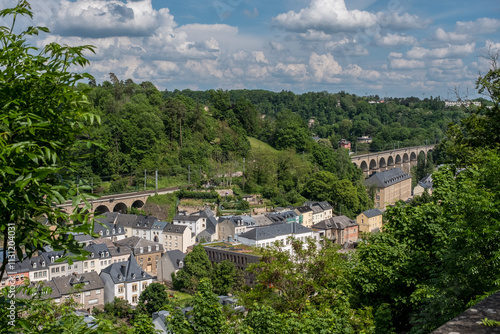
403,158
121,202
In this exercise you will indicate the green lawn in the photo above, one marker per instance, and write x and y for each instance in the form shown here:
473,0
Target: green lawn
257,144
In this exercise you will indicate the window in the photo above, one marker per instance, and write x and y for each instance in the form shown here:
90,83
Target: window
175,238
120,289
149,259
141,260
92,264
157,257
134,288
85,264
134,299
36,275
144,285
176,244
87,293
97,292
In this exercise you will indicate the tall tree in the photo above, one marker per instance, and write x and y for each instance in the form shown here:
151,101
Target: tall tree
42,134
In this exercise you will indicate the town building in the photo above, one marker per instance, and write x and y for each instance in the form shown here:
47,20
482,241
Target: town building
232,226
170,262
423,185
391,186
196,221
85,289
370,221
147,253
321,210
307,215
338,229
344,143
125,280
178,237
266,236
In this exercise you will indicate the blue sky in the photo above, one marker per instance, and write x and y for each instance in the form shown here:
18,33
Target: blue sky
389,48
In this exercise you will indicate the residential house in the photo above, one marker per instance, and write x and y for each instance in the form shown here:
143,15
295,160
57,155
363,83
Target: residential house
178,237
286,216
17,272
344,143
99,258
106,225
338,229
160,321
146,252
118,254
157,232
261,220
231,226
423,185
142,227
370,221
86,289
196,221
170,263
307,215
210,233
321,210
38,270
56,266
391,186
266,236
125,280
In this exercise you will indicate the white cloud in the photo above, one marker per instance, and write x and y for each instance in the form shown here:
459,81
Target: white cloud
326,15
332,16
205,68
324,68
290,70
444,36
100,18
480,26
396,39
259,57
448,63
395,55
276,46
450,51
399,63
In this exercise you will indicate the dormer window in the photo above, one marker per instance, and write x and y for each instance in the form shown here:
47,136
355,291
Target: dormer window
133,276
119,229
141,249
149,248
119,276
157,247
43,263
51,259
107,253
114,230
143,274
100,233
91,254
107,232
34,265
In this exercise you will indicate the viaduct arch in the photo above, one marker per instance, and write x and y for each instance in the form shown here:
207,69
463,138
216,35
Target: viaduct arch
403,158
121,202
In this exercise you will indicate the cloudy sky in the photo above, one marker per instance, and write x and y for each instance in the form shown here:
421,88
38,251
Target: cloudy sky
390,48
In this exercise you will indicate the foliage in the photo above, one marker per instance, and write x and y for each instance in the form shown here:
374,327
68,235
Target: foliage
206,316
154,297
196,267
36,315
43,126
226,277
183,193
143,324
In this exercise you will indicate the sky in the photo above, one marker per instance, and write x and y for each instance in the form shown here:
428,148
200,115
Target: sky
390,48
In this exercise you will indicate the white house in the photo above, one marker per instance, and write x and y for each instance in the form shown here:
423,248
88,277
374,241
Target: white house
266,236
125,281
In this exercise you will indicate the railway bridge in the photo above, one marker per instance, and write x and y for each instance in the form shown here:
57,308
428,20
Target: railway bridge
404,158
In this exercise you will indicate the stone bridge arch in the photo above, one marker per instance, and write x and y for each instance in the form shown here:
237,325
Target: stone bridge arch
120,207
373,164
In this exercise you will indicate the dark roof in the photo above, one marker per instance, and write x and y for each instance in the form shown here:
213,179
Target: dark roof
336,223
303,209
107,226
135,243
175,257
113,249
39,286
173,228
126,271
238,220
387,178
98,250
318,206
426,182
271,231
85,282
372,213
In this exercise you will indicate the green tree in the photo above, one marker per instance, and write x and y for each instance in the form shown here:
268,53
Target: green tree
143,324
225,277
154,298
43,126
196,267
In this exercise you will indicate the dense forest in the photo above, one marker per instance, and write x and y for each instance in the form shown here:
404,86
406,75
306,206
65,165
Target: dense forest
206,134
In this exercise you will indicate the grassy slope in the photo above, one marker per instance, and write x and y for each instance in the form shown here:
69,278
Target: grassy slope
257,144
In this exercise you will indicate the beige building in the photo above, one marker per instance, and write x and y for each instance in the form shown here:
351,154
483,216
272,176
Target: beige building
321,210
307,215
423,185
178,237
370,221
391,186
147,253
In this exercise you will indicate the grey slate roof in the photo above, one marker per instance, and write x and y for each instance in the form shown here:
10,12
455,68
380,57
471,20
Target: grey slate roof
271,231
86,282
262,220
135,243
175,256
173,228
39,286
126,271
322,206
337,223
113,249
387,178
372,213
303,209
426,182
107,225
98,250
